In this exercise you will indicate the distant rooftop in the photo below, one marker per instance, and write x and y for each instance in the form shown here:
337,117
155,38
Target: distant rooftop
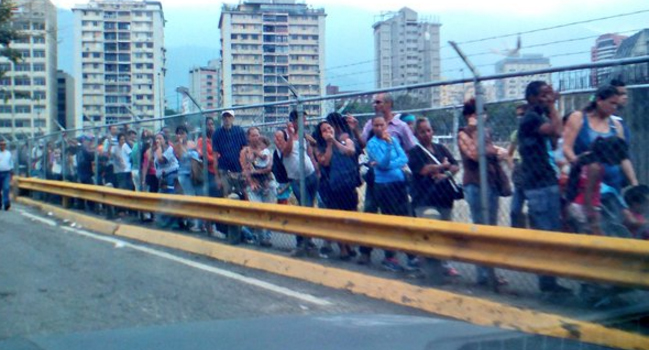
286,6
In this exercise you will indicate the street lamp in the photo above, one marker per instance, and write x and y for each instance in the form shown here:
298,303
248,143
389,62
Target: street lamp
185,92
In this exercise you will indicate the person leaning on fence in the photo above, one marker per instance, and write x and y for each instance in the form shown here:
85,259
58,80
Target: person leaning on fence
537,134
337,157
290,149
257,165
6,171
433,167
166,166
227,142
468,144
215,184
390,189
383,104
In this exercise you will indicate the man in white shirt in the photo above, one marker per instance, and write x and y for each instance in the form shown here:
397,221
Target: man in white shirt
6,170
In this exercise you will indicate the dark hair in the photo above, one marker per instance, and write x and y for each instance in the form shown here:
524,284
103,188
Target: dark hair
617,83
610,150
336,120
132,132
284,133
164,137
603,93
534,88
181,128
422,120
293,115
209,119
637,195
120,135
250,129
469,108
317,135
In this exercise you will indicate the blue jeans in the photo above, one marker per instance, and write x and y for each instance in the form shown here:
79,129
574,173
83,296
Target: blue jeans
472,196
516,211
311,184
5,183
544,210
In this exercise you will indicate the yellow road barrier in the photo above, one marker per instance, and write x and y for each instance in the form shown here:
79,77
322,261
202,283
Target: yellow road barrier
603,259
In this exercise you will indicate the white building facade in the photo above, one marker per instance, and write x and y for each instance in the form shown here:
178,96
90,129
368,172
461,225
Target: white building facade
28,87
119,62
263,43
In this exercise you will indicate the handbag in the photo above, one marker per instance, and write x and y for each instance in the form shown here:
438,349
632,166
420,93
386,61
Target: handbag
501,181
456,190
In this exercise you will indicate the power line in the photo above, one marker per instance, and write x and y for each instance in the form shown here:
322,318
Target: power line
504,36
554,27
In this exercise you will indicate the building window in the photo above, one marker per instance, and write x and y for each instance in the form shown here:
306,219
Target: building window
5,109
39,67
39,53
22,67
39,95
23,109
39,81
38,26
22,81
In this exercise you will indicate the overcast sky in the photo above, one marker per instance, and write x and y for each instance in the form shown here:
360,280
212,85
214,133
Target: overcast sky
192,36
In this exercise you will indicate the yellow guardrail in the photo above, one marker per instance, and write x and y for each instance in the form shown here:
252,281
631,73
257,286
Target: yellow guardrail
602,259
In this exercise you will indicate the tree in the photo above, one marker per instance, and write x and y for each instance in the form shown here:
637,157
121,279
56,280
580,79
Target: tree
8,33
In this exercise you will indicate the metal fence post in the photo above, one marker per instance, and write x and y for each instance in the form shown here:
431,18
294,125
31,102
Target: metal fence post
302,150
482,153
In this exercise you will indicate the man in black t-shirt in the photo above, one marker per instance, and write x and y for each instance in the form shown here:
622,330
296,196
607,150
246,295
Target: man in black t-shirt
537,133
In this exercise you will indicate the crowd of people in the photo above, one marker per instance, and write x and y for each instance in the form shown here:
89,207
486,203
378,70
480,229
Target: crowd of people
570,171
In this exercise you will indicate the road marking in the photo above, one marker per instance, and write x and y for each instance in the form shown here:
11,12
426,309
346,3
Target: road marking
38,218
228,274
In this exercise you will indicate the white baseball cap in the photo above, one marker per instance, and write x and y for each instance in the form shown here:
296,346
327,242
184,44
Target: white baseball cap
229,111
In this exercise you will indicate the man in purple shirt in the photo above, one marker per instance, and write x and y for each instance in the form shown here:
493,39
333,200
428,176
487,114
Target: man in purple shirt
396,128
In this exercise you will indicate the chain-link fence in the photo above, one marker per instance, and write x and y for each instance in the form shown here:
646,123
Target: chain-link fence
398,159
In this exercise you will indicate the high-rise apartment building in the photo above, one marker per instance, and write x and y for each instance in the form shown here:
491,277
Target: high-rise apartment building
263,43
406,49
205,86
28,87
514,88
605,48
119,60
65,100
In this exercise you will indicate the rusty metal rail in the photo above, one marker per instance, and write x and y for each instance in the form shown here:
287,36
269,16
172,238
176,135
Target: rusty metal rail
617,261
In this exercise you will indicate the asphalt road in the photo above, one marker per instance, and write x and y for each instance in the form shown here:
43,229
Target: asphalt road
55,279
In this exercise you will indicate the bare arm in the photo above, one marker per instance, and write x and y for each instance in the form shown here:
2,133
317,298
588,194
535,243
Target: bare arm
348,148
575,121
468,146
